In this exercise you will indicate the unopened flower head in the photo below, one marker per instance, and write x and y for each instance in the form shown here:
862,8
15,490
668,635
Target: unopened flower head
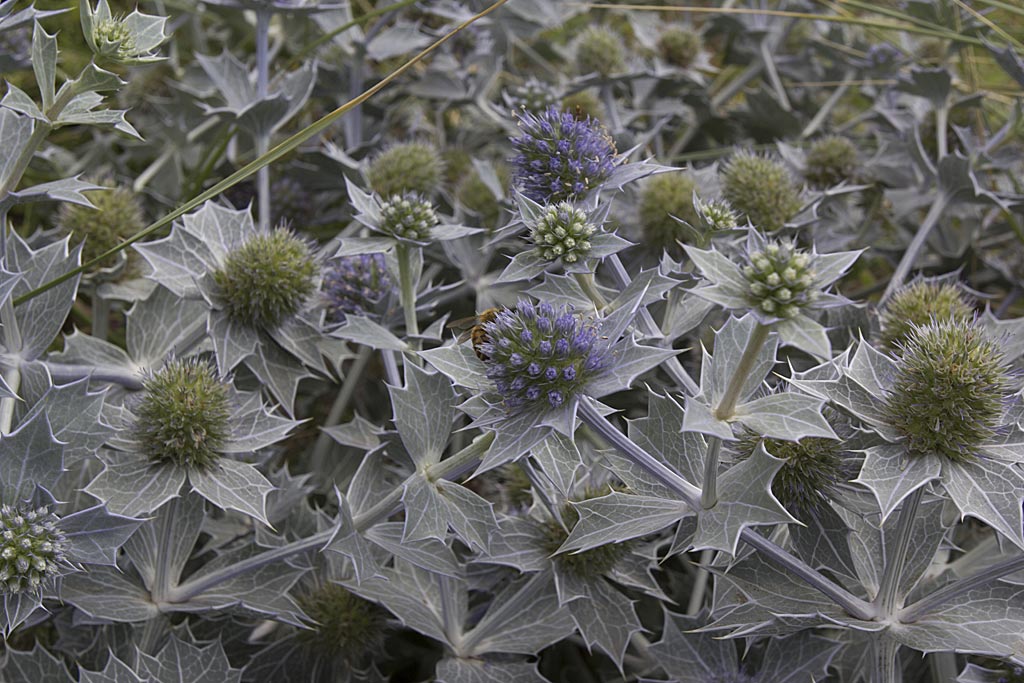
665,198
918,304
716,214
408,217
780,279
32,548
948,392
533,96
538,356
599,51
407,167
131,39
345,626
183,418
563,232
762,188
830,161
559,157
267,280
679,46
355,285
117,216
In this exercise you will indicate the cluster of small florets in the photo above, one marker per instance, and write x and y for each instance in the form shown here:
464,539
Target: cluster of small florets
114,38
267,279
407,167
355,285
830,161
345,625
716,214
408,217
32,548
117,216
183,416
813,469
762,188
537,356
599,51
779,279
679,46
533,95
918,304
948,392
559,157
563,232
666,197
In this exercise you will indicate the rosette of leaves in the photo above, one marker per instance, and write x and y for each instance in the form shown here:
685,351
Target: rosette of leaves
131,39
943,411
42,540
541,362
188,425
259,289
779,283
564,234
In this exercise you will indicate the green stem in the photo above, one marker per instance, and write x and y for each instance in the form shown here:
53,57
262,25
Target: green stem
700,584
407,293
819,118
885,661
727,406
889,589
915,247
941,124
709,490
589,286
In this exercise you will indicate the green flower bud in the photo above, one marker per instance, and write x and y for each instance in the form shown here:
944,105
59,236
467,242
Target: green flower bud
408,217
562,232
407,167
918,304
267,280
716,214
599,51
761,188
533,95
664,196
778,279
32,548
114,39
830,161
947,395
345,626
117,216
183,416
679,46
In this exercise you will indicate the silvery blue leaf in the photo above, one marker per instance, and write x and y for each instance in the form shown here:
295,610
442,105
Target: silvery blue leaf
134,486
692,656
17,609
989,490
480,671
362,330
233,485
74,413
561,290
426,555
179,261
115,671
730,342
560,460
459,363
526,265
108,593
470,516
785,415
400,39
29,458
44,63
628,361
36,664
659,434
823,543
15,131
423,412
518,542
892,475
805,334
619,517
411,594
605,617
426,516
279,372
700,418
524,618
40,319
96,535
182,662
66,190
181,521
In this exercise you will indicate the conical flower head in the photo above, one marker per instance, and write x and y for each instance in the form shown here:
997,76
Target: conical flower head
762,188
664,198
780,279
948,391
716,214
559,157
32,548
408,217
679,46
183,416
267,280
346,625
599,51
830,161
563,232
117,216
407,167
539,356
918,304
355,285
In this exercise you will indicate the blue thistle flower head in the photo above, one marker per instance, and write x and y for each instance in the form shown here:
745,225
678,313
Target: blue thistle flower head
559,157
356,285
540,356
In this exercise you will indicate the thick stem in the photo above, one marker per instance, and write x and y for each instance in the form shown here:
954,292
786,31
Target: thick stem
589,286
951,591
709,490
727,406
700,584
449,614
12,341
263,139
163,582
391,367
914,249
341,401
12,376
941,124
885,660
888,590
407,292
63,373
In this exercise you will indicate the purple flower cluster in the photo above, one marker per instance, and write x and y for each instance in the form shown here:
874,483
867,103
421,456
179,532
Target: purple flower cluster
535,354
355,285
559,157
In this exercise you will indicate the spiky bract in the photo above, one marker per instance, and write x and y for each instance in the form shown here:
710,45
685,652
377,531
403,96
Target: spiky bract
947,395
267,280
918,304
562,232
539,357
32,548
406,167
780,279
559,157
183,418
813,469
355,285
762,188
